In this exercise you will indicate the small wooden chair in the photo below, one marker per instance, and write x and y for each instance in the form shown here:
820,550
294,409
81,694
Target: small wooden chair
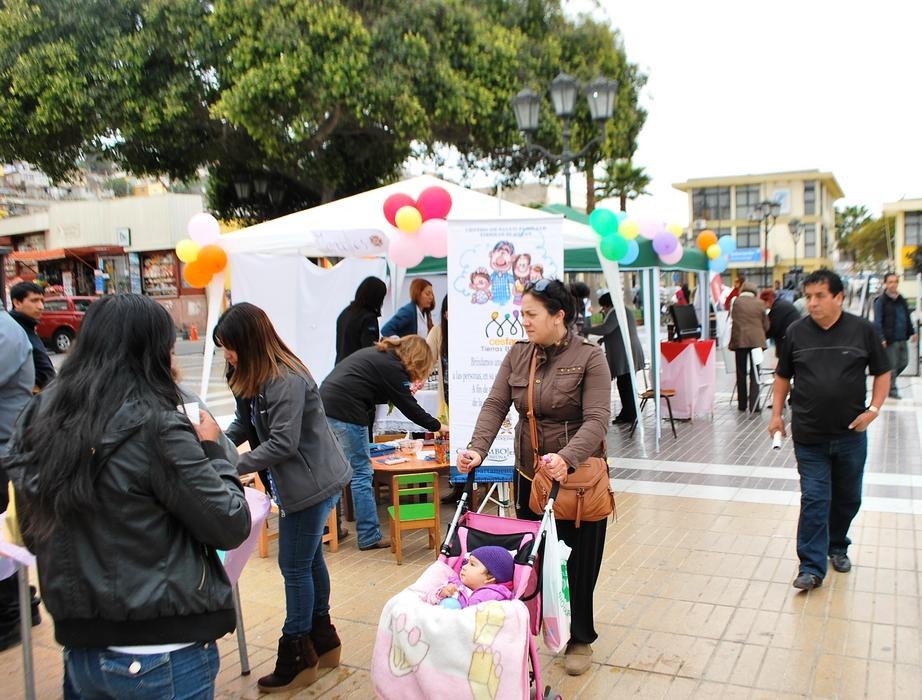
648,395
268,534
414,516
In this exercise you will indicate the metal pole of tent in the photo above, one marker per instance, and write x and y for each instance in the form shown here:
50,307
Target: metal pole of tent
704,304
25,627
654,355
241,635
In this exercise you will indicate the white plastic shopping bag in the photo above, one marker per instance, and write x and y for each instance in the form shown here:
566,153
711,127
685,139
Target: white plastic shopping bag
556,590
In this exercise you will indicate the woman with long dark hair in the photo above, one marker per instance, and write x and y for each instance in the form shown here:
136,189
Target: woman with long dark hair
357,325
572,404
124,502
281,405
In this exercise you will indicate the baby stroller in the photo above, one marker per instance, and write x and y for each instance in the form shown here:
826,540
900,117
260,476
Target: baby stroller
484,652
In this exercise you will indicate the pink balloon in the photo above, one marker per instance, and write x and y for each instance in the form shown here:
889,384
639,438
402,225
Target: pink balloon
204,229
650,227
393,203
673,257
404,250
433,237
434,203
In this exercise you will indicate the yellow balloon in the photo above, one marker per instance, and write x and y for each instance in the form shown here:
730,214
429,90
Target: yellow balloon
629,229
187,250
714,251
674,229
408,219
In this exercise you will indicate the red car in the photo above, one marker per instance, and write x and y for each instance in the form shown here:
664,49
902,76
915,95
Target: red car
61,320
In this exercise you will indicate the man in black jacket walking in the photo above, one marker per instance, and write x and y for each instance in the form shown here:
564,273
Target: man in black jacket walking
893,323
28,305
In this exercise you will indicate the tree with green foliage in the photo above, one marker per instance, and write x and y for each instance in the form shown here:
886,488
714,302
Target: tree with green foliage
871,243
622,180
317,98
849,220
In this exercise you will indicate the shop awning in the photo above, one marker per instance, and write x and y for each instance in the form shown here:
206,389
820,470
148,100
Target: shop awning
60,253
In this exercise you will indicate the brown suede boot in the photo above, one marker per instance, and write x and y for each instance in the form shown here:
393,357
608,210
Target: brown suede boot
295,667
326,642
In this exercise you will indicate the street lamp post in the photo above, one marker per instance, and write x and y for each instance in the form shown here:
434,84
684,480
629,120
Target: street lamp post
765,213
794,227
564,89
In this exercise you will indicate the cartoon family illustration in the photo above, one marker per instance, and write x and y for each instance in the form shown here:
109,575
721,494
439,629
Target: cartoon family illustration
510,273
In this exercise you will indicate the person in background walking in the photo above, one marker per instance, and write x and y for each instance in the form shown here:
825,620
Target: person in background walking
617,356
735,292
124,502
357,325
781,314
749,325
828,356
581,292
416,316
28,305
894,325
307,471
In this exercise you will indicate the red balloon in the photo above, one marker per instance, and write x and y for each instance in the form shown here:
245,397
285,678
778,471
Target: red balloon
434,203
393,203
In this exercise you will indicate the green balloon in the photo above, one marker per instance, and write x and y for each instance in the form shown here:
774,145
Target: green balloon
603,222
614,246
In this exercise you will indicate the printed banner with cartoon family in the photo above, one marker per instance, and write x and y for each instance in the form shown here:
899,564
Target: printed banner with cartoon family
489,264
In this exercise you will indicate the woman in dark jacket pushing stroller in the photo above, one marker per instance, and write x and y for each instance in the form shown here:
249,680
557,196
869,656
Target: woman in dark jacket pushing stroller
124,501
572,402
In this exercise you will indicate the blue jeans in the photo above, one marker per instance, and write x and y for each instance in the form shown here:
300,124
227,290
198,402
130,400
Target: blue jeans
830,495
100,674
353,439
307,581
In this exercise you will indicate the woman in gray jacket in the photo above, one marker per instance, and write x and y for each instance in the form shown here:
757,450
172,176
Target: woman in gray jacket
279,409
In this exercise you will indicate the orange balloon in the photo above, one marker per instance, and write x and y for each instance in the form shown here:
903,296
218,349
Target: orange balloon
706,239
212,257
197,274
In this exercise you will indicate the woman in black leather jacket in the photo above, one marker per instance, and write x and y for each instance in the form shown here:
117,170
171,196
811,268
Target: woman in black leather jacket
307,472
124,502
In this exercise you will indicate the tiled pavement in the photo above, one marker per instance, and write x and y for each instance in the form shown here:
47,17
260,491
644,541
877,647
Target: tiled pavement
694,598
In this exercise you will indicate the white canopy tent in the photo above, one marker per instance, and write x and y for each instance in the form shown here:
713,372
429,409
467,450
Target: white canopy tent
269,268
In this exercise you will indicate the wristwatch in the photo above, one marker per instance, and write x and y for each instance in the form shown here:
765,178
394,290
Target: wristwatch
874,409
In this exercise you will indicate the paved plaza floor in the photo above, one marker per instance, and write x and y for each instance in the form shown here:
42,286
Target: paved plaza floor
695,596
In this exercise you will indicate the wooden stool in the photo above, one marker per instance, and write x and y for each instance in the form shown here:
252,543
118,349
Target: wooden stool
268,534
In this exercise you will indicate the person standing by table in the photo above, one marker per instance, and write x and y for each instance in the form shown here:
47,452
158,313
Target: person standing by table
416,316
616,355
307,471
357,325
894,325
748,332
828,355
124,502
572,396
384,373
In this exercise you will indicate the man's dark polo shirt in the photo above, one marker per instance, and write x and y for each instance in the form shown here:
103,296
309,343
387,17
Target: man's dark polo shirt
829,371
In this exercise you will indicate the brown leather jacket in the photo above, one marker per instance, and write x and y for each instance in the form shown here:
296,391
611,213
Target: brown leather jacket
572,402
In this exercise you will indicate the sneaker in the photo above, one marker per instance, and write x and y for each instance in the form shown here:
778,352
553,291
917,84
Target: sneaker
807,582
841,563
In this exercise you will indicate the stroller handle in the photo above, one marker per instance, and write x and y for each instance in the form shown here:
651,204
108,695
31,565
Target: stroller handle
466,497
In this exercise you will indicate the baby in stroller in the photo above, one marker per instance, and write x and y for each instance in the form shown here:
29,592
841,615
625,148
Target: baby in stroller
486,575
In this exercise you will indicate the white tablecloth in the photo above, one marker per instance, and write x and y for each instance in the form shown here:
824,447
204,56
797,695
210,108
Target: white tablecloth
693,381
396,422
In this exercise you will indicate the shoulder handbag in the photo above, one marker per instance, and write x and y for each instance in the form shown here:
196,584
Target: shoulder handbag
586,492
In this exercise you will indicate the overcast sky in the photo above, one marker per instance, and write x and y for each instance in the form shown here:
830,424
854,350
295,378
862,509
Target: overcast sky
741,87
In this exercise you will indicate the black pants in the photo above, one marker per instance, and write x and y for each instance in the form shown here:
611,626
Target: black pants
744,367
626,393
587,542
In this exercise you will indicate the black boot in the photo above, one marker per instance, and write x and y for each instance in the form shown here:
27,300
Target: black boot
295,667
327,644
9,612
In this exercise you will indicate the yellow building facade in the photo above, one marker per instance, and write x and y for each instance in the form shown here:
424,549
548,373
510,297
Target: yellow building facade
908,216
726,206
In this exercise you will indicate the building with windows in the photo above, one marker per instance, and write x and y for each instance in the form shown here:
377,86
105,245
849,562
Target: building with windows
727,205
908,216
